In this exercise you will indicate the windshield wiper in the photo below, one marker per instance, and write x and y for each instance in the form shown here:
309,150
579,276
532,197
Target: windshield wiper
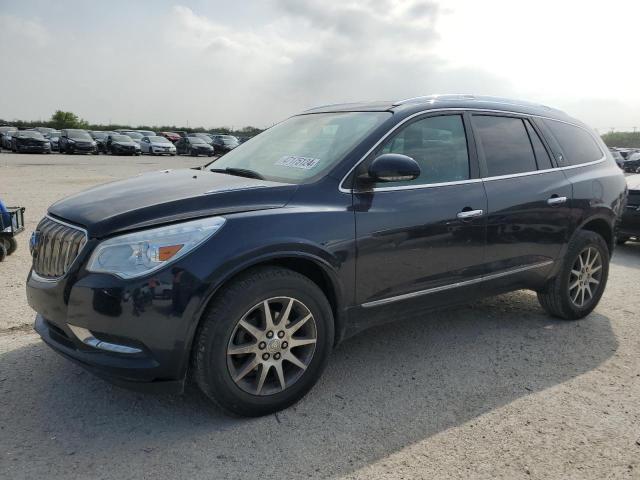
239,172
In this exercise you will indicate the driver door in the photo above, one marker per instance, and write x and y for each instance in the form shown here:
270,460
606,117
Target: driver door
426,235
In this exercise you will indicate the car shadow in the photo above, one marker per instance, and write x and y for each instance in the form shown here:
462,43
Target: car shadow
383,390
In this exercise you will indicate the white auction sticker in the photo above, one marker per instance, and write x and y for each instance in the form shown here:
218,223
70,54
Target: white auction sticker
293,161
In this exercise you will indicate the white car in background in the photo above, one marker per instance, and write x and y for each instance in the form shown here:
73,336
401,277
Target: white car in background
157,145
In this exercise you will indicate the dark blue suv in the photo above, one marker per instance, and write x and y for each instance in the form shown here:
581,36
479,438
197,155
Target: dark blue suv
245,273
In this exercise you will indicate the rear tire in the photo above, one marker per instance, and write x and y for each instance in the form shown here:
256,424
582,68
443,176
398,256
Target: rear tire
218,372
574,292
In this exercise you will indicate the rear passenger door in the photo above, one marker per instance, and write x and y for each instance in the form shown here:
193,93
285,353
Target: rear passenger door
528,198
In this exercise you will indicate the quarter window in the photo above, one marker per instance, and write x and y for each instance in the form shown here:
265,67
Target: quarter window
577,144
438,144
505,143
542,156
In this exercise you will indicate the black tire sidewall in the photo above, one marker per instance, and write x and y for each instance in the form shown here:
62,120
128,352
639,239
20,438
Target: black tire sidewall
582,240
224,316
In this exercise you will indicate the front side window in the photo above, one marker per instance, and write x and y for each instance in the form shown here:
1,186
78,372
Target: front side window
505,144
577,144
302,148
438,144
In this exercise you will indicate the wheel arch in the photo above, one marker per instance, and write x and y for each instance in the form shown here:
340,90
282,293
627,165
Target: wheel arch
603,227
313,267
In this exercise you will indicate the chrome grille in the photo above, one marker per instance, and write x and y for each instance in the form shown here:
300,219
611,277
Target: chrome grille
58,245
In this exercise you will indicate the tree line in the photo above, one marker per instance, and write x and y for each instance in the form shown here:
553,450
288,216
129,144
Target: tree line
61,119
622,139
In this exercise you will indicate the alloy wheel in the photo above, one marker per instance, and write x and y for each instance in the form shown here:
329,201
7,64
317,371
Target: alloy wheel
585,276
271,346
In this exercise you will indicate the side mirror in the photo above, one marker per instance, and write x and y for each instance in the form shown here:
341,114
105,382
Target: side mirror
393,167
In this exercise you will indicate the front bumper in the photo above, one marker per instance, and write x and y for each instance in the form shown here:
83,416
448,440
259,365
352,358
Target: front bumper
124,372
34,148
153,318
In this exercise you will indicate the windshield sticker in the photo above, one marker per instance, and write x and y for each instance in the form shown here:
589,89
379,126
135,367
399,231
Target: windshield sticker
293,161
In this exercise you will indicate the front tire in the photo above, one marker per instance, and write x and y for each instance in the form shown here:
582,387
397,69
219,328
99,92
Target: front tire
263,342
577,288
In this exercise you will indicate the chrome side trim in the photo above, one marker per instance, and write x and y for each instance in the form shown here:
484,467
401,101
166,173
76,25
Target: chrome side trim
473,281
86,337
472,180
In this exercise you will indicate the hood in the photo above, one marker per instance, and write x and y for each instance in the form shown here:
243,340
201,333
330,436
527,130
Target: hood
159,144
167,196
633,182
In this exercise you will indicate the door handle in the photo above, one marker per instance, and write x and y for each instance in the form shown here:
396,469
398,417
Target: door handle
556,201
464,214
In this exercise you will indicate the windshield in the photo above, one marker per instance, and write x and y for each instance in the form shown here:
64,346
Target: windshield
196,140
8,129
229,140
99,134
121,138
79,134
302,148
159,140
55,133
31,134
134,135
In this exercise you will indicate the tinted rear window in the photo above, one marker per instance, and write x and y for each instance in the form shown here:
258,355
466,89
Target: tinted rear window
577,144
505,143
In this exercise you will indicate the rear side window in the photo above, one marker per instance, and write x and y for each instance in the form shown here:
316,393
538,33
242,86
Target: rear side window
438,144
577,144
506,145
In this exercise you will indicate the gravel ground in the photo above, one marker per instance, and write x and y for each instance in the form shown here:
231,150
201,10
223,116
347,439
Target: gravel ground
497,390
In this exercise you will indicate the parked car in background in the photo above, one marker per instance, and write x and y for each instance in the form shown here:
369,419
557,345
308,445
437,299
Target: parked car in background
100,136
327,223
194,146
630,225
618,158
5,136
43,130
135,136
30,141
206,137
632,163
224,143
172,136
119,144
53,138
73,140
157,145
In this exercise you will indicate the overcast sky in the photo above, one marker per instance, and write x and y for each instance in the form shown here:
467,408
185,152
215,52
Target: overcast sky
216,63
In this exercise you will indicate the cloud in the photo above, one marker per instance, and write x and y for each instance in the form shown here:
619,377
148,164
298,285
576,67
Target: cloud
259,61
15,30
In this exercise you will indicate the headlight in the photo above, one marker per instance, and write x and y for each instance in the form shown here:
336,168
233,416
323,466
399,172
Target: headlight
140,253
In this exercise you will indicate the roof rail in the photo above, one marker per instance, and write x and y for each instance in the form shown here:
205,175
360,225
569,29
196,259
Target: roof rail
449,97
